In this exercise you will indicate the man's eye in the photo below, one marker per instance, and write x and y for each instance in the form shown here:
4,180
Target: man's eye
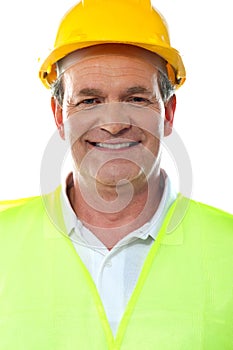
137,99
89,101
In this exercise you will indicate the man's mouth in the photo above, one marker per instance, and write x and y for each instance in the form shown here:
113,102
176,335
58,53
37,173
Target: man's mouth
114,146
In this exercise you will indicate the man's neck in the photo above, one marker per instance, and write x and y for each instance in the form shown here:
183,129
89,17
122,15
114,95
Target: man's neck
112,216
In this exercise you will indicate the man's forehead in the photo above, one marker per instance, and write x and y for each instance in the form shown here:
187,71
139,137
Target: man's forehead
105,50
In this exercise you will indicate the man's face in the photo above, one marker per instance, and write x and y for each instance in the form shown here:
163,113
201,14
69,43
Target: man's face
113,115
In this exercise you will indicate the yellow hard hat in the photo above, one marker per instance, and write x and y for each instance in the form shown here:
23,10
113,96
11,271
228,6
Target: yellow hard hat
134,22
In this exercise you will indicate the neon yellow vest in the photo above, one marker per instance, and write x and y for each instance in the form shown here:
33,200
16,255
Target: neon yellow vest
183,299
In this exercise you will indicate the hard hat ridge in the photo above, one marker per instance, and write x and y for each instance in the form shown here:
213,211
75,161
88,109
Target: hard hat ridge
142,2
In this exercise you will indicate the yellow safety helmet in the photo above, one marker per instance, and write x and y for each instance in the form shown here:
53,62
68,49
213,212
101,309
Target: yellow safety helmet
92,22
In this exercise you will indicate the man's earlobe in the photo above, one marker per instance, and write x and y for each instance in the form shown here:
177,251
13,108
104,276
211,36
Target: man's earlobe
170,107
58,116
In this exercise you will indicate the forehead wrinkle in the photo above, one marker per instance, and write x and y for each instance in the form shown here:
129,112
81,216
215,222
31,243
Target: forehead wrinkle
111,50
92,88
107,67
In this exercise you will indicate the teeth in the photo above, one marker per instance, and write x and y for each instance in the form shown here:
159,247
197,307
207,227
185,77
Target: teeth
115,146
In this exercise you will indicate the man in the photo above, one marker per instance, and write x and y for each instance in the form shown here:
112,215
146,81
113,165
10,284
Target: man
115,258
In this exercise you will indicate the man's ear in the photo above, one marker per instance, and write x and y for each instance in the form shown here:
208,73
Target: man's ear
58,116
170,107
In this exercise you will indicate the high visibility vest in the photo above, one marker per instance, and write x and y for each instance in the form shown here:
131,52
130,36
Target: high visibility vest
183,299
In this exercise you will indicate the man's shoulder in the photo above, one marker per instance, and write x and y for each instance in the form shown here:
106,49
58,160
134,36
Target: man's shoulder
26,203
28,209
209,210
189,207
207,216
16,212
16,204
192,217
16,217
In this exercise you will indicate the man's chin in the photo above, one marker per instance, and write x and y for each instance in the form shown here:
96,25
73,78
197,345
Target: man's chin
120,180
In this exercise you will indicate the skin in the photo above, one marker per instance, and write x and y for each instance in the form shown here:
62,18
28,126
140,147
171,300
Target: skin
114,191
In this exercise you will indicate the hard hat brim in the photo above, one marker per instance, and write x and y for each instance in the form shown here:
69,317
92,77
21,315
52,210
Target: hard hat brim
48,75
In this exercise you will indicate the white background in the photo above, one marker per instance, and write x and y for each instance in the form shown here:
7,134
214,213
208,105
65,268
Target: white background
200,30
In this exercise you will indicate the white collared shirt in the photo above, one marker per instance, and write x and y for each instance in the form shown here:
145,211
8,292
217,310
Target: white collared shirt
116,272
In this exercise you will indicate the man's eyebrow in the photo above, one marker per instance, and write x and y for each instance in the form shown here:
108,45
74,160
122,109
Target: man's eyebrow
138,90
130,91
90,92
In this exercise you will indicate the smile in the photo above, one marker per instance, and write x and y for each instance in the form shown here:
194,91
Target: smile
114,146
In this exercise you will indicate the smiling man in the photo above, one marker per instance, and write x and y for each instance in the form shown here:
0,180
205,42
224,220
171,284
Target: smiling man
114,258
114,115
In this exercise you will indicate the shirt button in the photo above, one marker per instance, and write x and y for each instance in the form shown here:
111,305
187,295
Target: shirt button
109,264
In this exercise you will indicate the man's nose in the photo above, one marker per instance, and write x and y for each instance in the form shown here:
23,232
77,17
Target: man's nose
116,119
115,128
